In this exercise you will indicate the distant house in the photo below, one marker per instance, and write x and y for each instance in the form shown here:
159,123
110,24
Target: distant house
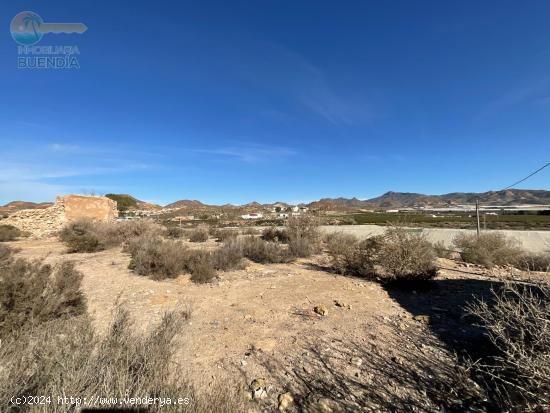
298,210
282,215
253,215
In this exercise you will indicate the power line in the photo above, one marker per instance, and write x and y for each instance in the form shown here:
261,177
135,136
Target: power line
527,177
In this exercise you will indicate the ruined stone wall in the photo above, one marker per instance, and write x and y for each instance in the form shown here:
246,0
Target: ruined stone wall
45,222
94,207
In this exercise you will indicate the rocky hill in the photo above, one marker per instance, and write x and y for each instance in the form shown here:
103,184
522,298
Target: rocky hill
410,199
127,202
14,206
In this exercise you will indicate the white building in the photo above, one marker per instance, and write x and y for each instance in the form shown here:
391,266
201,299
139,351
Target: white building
253,215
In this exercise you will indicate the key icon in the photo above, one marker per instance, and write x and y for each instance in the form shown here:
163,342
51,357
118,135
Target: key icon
28,28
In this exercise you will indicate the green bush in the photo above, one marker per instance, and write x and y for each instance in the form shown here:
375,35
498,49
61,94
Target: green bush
489,249
124,202
9,232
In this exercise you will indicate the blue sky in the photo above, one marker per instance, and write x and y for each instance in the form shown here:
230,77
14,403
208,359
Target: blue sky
279,100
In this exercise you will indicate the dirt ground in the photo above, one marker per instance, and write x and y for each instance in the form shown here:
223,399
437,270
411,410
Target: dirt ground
374,350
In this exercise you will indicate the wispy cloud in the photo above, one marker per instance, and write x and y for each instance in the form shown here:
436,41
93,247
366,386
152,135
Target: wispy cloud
48,170
320,96
536,92
250,152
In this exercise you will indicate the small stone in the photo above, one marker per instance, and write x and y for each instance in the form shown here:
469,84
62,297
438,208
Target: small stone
257,384
423,318
321,310
356,361
285,401
260,394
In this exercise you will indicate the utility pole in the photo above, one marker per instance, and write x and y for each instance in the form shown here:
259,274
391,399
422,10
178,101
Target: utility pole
477,217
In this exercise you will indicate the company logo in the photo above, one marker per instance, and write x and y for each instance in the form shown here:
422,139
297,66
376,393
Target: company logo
27,28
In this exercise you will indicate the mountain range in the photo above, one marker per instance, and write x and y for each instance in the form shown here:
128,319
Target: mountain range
389,200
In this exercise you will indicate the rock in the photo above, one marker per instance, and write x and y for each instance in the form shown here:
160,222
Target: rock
423,318
260,394
285,401
325,406
257,384
356,361
321,310
341,304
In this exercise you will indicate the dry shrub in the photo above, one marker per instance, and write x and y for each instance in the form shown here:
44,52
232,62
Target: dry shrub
489,249
343,249
85,235
223,235
250,231
405,255
229,256
5,252
125,231
201,268
32,292
152,256
441,250
274,234
534,262
518,324
175,232
66,357
9,232
199,234
304,238
262,251
397,255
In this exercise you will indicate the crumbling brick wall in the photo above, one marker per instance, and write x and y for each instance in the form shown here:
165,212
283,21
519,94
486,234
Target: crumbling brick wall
45,222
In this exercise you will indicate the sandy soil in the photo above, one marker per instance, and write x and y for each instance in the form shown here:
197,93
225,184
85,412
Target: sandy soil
259,322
